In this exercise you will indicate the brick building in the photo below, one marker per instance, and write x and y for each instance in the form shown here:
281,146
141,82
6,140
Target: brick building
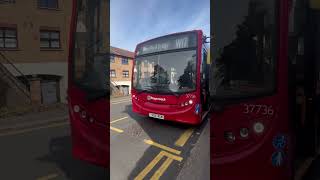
34,46
121,62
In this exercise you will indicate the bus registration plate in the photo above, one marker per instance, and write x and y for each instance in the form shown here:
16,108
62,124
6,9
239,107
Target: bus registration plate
158,116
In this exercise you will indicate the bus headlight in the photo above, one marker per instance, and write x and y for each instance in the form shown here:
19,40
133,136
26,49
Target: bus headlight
244,132
76,108
229,136
258,127
83,114
190,101
91,119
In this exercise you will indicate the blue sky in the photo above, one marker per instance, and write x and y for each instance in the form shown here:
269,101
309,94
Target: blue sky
134,21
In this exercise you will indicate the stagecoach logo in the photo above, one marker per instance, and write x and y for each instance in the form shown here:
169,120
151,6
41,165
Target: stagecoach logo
279,142
155,98
277,158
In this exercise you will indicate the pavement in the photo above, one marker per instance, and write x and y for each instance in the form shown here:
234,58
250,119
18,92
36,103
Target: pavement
37,146
32,119
313,169
144,148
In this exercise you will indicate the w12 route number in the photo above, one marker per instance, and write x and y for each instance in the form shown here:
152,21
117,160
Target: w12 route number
258,109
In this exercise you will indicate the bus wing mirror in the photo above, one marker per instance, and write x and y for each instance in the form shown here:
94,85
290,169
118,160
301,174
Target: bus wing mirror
205,39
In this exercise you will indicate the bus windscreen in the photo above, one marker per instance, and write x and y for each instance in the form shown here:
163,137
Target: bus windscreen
166,65
173,72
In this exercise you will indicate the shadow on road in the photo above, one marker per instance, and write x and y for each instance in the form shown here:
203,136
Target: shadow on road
60,154
313,172
165,133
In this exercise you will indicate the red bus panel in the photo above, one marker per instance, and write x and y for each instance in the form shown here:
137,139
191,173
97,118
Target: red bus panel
88,93
250,131
166,78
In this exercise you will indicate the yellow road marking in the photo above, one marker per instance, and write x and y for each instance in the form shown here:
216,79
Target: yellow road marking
162,147
50,176
116,129
174,157
118,120
163,167
147,169
184,138
15,132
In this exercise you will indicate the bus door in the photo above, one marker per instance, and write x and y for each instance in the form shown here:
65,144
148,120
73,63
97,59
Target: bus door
306,74
310,80
315,12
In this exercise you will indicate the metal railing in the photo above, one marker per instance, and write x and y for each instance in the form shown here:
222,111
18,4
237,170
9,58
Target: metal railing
113,87
23,83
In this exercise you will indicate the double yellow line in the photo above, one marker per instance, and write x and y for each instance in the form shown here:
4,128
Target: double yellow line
163,167
169,153
184,138
173,155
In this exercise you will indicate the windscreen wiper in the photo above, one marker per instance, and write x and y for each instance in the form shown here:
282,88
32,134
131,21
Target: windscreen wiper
142,91
175,94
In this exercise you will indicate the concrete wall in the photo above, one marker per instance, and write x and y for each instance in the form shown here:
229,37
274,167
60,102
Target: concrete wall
123,83
50,68
28,57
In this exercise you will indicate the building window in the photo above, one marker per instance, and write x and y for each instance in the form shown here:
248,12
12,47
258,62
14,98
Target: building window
112,59
125,74
112,73
7,1
125,61
146,74
8,37
49,39
49,4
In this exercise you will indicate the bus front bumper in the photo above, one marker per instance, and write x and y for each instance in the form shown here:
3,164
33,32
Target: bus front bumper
186,116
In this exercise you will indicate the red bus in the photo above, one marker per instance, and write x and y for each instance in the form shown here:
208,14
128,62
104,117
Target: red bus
169,79
88,92
263,89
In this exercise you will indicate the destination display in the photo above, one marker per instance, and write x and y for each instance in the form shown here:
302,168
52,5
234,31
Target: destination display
172,42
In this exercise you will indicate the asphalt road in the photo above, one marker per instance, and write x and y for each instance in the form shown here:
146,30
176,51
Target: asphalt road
313,172
43,153
144,148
